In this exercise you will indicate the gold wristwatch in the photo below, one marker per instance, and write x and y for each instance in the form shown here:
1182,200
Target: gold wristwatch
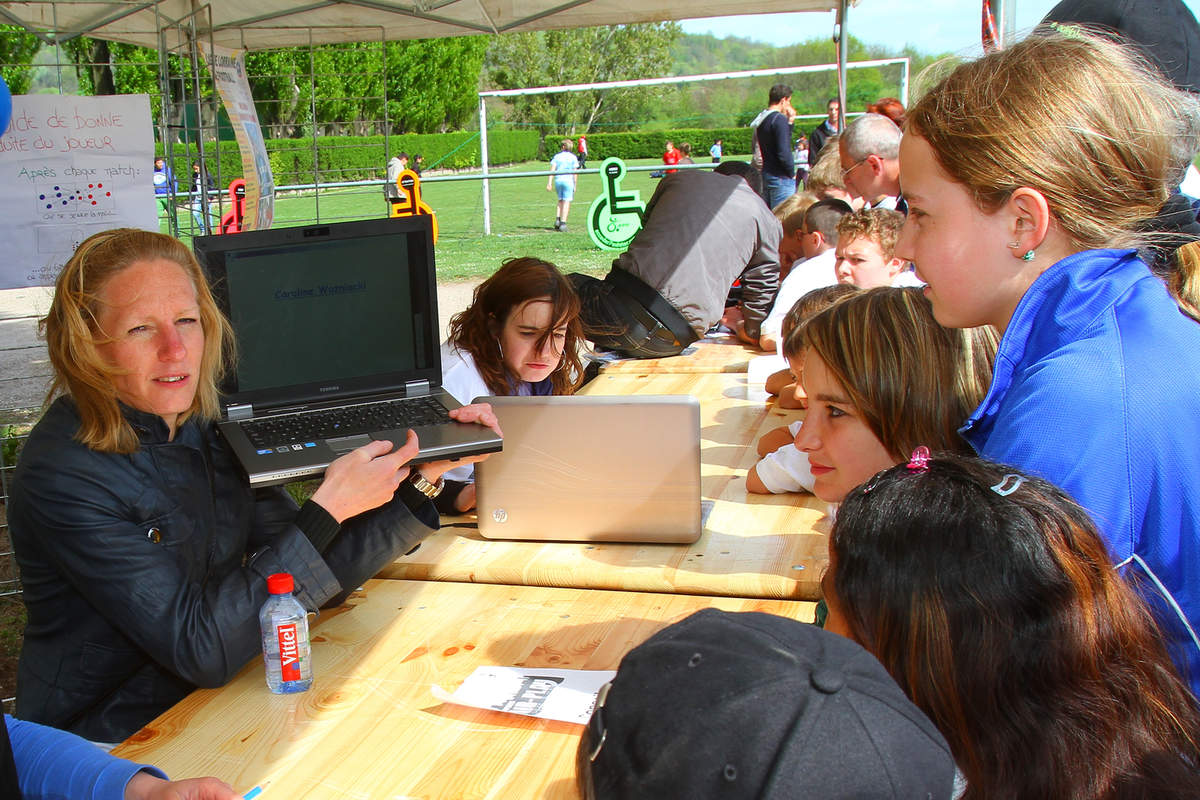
430,490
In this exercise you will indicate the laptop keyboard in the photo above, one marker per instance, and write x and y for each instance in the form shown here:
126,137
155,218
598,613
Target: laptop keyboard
307,427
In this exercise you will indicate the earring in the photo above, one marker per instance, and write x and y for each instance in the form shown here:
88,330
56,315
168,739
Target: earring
1028,255
500,347
1013,245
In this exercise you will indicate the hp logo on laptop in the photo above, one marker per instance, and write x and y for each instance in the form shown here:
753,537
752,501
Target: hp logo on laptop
500,515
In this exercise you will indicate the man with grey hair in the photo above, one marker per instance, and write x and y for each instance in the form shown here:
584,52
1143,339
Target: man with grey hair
870,155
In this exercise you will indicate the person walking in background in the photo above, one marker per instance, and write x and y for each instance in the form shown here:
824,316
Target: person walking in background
671,156
685,153
800,156
391,191
202,182
164,186
418,163
715,151
830,126
562,182
583,152
774,137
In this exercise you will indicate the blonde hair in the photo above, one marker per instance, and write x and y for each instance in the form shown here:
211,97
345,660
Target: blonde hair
827,172
880,225
1081,119
790,211
1184,282
73,336
913,381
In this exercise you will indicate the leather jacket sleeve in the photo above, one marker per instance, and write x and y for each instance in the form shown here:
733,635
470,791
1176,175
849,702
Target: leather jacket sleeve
760,280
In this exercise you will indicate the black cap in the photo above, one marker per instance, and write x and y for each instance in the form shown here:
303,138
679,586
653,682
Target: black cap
1164,30
750,706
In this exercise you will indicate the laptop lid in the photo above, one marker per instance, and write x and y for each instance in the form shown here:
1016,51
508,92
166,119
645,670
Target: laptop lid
591,468
325,312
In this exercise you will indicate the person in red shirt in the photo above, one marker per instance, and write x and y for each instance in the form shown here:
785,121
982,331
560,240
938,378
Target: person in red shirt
671,156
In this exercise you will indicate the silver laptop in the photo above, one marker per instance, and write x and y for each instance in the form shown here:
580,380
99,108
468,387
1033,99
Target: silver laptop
337,337
588,468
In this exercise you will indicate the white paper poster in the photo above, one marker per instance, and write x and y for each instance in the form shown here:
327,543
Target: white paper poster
70,167
229,75
567,695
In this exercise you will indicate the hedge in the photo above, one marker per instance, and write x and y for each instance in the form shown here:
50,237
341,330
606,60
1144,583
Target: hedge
352,158
638,144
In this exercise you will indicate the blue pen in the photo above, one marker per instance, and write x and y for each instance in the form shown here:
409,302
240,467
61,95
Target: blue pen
253,793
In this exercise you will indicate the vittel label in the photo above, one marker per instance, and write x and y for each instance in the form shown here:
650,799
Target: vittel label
289,652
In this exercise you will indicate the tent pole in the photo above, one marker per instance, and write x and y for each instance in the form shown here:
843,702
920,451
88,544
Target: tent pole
483,158
841,64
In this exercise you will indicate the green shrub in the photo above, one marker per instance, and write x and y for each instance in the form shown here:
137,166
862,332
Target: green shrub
644,144
355,158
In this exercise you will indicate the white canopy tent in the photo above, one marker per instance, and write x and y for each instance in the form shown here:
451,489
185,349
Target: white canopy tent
265,24
167,25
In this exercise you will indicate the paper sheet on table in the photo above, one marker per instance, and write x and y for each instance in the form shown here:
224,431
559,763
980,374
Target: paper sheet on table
567,695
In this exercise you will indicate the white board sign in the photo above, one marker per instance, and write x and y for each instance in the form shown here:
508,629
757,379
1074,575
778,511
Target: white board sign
70,167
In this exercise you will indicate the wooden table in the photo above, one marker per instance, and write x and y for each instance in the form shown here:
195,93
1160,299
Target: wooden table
771,546
371,728
710,354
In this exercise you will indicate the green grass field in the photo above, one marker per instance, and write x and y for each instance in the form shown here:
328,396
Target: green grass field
522,219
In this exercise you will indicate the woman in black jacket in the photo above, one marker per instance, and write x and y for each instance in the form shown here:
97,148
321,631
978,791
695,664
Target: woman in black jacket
143,552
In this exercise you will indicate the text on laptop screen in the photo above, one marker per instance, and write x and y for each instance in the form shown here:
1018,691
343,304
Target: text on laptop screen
298,321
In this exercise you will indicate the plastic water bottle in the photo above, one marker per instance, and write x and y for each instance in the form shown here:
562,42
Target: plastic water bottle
284,624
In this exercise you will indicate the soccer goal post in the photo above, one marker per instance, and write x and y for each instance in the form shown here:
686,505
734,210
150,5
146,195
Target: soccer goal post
715,76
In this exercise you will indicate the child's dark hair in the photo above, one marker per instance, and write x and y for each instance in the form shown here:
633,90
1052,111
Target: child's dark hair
990,598
811,303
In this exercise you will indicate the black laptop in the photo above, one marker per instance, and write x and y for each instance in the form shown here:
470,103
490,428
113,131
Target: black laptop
337,344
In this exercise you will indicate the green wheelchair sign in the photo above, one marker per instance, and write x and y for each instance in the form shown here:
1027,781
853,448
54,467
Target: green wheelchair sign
614,218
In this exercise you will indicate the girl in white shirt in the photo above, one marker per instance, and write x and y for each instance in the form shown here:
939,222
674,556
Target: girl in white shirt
520,336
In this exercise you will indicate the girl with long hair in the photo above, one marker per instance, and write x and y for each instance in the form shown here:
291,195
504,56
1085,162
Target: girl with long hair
1030,175
881,376
520,336
989,596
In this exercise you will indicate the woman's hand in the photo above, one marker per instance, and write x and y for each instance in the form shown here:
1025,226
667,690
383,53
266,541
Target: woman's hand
365,478
144,786
480,414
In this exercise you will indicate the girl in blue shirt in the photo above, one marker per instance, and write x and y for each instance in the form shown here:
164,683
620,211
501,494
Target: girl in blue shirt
1029,174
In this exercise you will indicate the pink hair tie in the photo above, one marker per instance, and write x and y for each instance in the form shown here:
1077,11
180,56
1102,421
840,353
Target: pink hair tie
919,460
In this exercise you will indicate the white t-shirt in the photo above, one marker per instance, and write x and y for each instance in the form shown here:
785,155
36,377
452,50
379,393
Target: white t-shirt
813,273
787,469
461,379
565,161
906,277
1191,183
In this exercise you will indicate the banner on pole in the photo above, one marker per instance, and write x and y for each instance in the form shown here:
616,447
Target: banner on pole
229,74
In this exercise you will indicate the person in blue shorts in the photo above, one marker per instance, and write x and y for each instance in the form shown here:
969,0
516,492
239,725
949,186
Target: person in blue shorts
562,182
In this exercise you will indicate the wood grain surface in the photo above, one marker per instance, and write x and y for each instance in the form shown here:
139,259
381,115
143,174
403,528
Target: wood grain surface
770,546
370,726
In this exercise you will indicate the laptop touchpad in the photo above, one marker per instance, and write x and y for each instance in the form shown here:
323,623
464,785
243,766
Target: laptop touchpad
344,444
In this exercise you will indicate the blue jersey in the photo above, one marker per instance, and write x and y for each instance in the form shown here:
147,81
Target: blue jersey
1097,389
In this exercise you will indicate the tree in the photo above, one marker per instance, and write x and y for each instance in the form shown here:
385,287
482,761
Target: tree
582,55
433,83
17,48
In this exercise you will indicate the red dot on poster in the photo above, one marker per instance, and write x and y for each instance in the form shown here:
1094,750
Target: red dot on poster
93,202
108,194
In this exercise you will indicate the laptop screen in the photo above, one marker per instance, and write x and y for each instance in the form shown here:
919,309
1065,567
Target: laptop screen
326,311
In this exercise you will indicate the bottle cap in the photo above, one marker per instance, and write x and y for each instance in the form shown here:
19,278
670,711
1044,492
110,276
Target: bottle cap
280,583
